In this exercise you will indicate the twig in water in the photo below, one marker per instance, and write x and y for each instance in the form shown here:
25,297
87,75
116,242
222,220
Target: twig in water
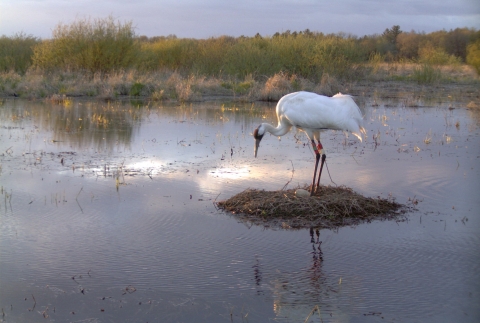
353,156
329,174
79,192
34,303
129,289
215,202
81,210
315,308
45,313
291,178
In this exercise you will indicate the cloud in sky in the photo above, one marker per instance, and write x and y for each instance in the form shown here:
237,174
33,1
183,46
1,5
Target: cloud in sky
203,19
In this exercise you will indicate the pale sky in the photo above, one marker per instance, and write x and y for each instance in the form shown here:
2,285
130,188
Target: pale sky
213,18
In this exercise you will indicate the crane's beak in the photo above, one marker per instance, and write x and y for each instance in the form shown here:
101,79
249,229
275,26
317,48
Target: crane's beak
257,143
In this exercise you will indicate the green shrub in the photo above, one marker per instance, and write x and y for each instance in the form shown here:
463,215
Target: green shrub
16,52
426,74
436,56
99,45
473,55
250,56
168,53
338,57
136,89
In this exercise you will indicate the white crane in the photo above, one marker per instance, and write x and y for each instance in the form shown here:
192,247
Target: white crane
310,113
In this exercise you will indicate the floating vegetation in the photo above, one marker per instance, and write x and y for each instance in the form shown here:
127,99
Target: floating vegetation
330,207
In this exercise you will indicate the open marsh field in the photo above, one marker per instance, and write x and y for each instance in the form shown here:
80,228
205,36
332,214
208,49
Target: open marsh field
107,214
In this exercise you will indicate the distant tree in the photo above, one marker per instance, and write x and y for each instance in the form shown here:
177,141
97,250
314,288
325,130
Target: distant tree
392,34
390,37
143,38
456,42
408,44
307,32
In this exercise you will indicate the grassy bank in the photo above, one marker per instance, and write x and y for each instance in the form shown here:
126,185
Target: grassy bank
105,59
171,85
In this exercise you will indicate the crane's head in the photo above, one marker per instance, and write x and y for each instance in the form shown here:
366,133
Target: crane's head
258,135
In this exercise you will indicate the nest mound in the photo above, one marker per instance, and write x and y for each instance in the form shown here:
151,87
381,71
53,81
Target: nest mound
330,207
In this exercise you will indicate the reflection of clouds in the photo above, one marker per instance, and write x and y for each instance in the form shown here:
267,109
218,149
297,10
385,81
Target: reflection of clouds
231,173
150,166
187,138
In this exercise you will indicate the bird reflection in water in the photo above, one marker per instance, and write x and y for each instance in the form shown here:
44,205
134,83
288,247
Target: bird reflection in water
316,244
317,278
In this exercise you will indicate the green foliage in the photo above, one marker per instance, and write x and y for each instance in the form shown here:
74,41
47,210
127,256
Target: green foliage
16,52
392,34
239,87
302,54
250,56
436,56
426,74
136,89
338,57
167,53
99,45
473,55
102,47
408,45
10,80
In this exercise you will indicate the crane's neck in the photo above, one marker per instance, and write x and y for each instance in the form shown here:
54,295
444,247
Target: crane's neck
280,130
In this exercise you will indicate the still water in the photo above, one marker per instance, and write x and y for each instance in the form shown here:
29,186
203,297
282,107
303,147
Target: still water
107,214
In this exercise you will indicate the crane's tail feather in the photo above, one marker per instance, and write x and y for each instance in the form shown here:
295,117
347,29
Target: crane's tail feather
359,134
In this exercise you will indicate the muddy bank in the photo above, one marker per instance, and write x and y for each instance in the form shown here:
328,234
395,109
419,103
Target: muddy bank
397,89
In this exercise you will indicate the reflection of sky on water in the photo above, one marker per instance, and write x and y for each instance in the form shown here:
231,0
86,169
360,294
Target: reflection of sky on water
159,231
212,142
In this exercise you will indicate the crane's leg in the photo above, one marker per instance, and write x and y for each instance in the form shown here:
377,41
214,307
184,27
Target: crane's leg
317,159
321,167
320,151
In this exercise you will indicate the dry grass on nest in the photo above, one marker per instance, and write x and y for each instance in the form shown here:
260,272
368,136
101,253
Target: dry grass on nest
331,207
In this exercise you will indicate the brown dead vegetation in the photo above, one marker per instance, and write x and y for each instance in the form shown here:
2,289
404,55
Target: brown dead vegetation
330,207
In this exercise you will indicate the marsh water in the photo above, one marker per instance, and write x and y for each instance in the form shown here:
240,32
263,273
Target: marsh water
107,214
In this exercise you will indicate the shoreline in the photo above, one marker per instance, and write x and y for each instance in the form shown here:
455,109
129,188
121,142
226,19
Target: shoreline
383,89
172,87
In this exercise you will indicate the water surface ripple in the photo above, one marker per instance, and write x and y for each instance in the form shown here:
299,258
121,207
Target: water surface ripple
113,219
